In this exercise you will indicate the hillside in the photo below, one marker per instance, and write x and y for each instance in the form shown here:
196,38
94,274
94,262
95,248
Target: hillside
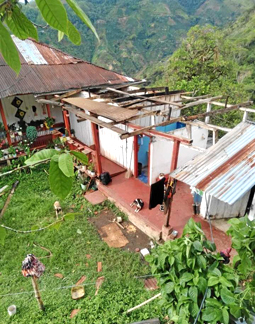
136,34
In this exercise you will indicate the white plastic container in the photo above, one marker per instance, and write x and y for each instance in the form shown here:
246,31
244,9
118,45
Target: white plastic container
11,310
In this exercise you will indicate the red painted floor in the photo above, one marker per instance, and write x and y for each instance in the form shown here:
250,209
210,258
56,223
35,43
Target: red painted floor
111,167
126,190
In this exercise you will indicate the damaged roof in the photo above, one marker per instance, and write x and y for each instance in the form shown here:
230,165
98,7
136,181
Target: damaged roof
226,170
47,70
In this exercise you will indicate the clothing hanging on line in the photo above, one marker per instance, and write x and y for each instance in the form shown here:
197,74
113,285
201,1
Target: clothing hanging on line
157,193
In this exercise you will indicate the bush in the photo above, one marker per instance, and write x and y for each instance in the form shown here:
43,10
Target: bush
31,133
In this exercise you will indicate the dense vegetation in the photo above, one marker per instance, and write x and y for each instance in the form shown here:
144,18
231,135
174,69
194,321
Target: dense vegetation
192,274
136,34
32,204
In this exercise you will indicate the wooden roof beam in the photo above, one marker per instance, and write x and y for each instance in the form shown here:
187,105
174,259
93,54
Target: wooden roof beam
149,98
66,95
185,118
201,101
51,102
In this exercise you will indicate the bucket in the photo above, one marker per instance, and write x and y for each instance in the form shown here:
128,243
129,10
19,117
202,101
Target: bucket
11,310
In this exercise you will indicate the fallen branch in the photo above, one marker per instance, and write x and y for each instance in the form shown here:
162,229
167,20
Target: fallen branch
43,248
14,186
24,167
144,303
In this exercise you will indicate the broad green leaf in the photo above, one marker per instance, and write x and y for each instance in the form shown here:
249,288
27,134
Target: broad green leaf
227,296
209,246
201,262
8,49
20,25
225,316
60,35
235,311
225,282
41,155
81,14
216,272
198,246
202,284
54,14
80,156
185,278
60,184
70,216
209,314
169,287
65,163
193,293
213,281
73,34
55,226
2,235
212,302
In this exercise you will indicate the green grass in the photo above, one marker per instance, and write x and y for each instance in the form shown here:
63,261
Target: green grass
32,204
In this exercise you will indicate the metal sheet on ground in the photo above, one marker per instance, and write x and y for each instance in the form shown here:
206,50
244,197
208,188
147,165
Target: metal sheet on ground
113,236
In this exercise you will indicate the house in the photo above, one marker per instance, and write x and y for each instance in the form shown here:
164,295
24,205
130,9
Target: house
45,72
225,173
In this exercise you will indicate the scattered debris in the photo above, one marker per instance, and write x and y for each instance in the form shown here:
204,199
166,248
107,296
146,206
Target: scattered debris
58,208
99,266
88,256
81,280
74,312
58,275
99,282
3,188
144,252
11,310
137,250
131,228
144,303
43,248
77,292
113,236
151,284
79,231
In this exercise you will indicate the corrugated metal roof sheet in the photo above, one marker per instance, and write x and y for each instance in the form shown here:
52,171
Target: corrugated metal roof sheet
227,169
45,69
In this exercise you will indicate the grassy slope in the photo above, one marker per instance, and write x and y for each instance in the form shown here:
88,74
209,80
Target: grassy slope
137,34
32,204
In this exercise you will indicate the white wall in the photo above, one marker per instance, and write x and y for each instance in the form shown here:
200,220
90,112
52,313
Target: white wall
83,131
198,135
28,102
147,121
161,156
115,149
218,209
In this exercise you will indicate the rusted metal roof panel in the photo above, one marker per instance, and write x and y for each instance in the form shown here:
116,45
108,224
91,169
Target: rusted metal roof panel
45,69
227,169
112,112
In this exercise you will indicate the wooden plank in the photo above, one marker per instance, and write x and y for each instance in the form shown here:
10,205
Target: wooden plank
200,102
207,126
149,98
67,94
189,118
194,98
82,114
114,113
51,102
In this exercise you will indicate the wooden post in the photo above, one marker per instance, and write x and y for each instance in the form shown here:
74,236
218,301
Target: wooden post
215,136
37,293
97,147
136,148
188,127
67,122
48,108
5,124
175,155
245,116
208,109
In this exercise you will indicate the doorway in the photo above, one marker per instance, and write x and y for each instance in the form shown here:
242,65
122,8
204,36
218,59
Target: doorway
143,157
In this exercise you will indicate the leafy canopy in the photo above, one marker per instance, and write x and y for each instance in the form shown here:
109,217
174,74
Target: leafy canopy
12,20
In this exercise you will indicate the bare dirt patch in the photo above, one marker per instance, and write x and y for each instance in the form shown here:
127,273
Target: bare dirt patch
136,238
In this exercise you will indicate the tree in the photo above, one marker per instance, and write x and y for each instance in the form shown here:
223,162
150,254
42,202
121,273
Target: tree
13,20
190,274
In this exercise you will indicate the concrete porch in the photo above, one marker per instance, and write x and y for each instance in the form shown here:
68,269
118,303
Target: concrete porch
123,191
